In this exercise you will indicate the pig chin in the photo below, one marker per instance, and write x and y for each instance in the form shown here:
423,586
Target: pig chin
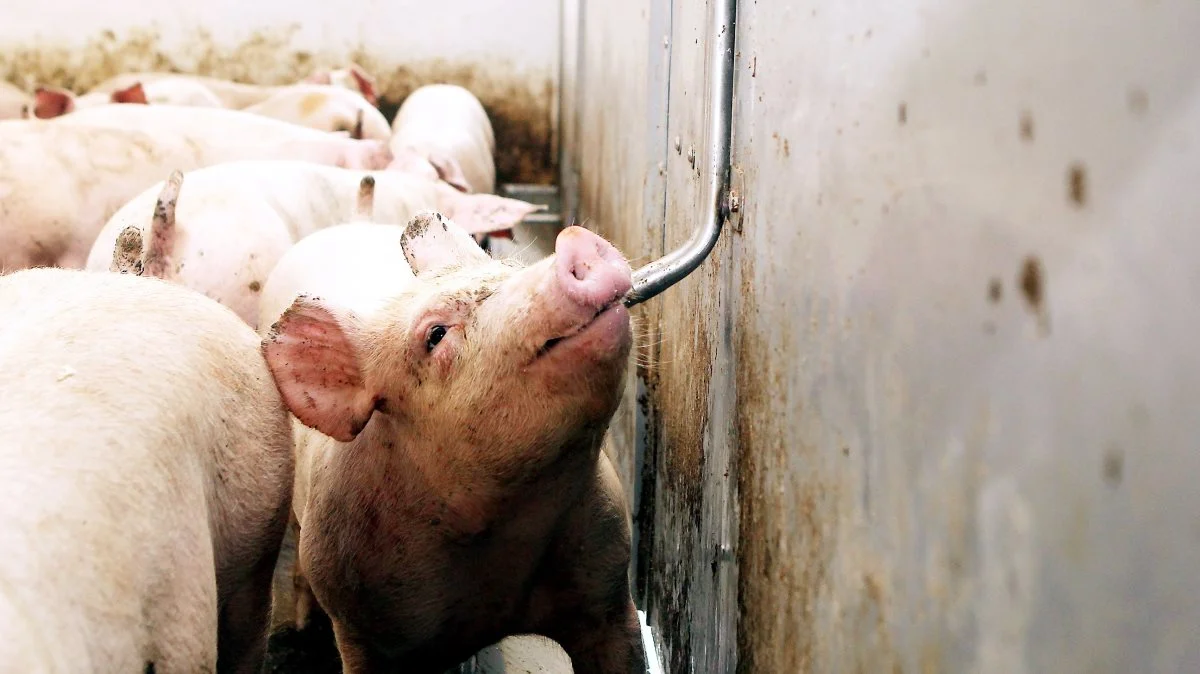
582,329
604,336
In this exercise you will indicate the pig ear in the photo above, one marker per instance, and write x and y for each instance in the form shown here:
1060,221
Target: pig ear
49,102
431,242
484,213
313,357
364,206
162,228
131,94
127,253
449,171
366,84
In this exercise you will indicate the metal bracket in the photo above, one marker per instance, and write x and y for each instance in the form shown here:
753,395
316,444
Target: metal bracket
668,270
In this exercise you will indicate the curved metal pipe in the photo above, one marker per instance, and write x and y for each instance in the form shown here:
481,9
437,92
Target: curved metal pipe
668,270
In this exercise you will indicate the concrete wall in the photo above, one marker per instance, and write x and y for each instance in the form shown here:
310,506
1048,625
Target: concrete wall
506,52
927,407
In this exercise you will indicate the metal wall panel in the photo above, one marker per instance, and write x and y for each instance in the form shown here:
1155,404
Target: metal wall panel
947,338
621,132
967,286
672,438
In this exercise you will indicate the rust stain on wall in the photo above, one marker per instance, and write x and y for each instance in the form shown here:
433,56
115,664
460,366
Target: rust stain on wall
519,106
785,547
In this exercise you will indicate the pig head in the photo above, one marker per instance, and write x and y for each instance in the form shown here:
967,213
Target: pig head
529,333
461,495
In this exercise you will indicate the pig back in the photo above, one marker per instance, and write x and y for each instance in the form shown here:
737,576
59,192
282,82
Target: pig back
358,266
143,448
444,118
59,183
229,93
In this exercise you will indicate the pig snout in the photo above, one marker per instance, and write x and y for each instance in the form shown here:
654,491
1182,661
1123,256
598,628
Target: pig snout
591,272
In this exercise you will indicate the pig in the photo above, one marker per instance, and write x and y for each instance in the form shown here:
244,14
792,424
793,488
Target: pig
147,478
326,108
61,180
214,125
238,95
450,488
14,102
53,102
449,120
221,231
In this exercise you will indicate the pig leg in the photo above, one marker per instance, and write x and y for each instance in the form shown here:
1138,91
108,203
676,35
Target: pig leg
245,617
182,613
357,656
585,589
306,604
601,644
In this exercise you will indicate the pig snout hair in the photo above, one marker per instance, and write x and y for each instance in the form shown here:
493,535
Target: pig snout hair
127,254
365,206
162,228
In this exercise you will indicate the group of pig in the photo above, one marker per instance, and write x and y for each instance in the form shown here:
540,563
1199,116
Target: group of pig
229,309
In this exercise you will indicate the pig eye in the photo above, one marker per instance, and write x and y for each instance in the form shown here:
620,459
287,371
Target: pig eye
436,333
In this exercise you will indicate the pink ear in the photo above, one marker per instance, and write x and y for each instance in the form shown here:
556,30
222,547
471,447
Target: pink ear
431,241
49,102
366,84
313,357
449,171
484,213
131,94
157,258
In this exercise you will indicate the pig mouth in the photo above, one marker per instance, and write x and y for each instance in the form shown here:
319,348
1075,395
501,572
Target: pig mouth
550,344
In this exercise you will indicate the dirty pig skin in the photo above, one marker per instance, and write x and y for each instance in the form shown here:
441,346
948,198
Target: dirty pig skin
146,478
450,486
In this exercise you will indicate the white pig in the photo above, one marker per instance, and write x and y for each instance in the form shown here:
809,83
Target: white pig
450,488
239,95
449,120
146,483
221,230
14,102
210,125
326,108
61,181
50,102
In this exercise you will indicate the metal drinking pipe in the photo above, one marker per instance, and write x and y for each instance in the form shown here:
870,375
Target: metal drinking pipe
668,270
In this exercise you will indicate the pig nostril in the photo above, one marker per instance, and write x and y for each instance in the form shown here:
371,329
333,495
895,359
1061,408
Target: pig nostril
577,273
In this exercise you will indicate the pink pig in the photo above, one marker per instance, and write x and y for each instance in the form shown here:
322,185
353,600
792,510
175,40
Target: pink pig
146,482
221,128
450,488
50,102
448,120
238,95
220,230
325,108
61,179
